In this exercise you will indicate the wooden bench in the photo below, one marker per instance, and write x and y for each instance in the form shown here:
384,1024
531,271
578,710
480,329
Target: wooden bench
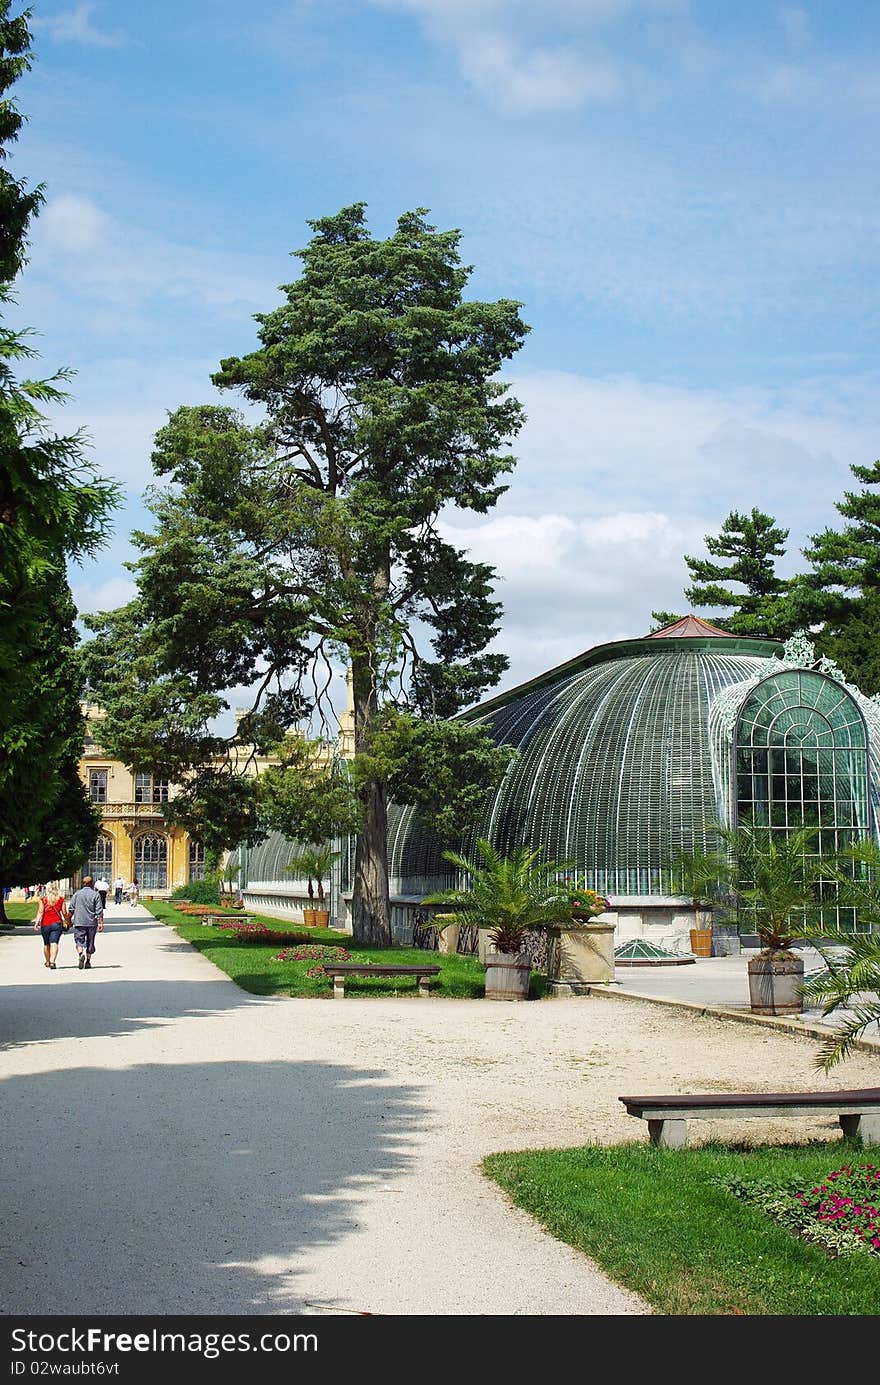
667,1116
339,971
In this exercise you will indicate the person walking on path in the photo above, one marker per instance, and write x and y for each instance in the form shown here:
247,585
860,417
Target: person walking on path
118,887
87,912
102,885
52,914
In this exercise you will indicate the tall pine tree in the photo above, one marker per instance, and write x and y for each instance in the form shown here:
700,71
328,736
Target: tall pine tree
750,543
315,535
842,590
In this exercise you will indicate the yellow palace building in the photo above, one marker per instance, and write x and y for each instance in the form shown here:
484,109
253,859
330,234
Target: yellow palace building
135,840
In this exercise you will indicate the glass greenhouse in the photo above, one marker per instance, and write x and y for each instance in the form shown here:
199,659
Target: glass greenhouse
630,752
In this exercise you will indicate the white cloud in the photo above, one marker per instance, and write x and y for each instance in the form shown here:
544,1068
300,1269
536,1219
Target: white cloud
114,267
75,26
502,48
120,402
618,479
540,79
91,597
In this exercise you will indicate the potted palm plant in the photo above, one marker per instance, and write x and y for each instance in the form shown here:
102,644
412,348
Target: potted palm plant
774,878
313,864
850,986
507,896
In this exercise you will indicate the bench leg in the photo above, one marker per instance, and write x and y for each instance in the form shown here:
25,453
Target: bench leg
424,983
668,1134
339,988
868,1126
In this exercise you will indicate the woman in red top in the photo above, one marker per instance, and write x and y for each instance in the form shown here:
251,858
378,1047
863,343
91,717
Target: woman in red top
51,913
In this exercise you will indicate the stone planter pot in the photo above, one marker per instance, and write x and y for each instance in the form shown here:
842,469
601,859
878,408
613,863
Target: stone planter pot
580,955
447,938
507,975
774,985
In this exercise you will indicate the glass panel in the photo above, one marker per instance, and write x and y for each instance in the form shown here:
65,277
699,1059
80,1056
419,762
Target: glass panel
143,788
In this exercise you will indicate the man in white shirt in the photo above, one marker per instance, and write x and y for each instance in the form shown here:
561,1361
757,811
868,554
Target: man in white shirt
102,886
118,887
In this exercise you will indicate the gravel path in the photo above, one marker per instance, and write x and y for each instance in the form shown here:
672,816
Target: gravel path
174,1145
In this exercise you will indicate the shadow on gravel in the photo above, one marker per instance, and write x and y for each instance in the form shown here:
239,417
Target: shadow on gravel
115,1008
190,1188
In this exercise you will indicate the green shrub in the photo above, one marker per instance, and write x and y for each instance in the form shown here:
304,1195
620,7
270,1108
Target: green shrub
198,892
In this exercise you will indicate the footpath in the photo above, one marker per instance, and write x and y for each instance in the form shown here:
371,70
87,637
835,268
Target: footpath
173,1145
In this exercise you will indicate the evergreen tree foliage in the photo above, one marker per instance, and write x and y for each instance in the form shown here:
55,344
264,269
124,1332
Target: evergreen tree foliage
842,589
53,506
312,536
44,817
750,544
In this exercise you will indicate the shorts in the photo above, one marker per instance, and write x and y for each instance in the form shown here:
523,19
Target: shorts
84,937
51,932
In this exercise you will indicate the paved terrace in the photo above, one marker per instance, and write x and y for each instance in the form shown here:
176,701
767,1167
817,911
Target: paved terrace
175,1146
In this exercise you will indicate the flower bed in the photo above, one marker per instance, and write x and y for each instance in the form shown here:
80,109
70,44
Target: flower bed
313,952
255,931
841,1213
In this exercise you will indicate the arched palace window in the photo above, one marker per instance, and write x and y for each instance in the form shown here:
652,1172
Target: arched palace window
802,761
196,860
100,860
151,861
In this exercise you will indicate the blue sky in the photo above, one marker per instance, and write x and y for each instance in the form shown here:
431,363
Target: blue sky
683,196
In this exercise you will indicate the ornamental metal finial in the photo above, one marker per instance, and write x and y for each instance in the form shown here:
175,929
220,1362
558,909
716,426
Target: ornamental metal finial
799,650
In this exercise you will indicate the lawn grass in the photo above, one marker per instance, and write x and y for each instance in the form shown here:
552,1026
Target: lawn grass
660,1222
21,912
253,967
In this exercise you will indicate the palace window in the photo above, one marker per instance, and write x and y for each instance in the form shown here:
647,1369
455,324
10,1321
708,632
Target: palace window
100,860
151,861
150,790
98,785
196,860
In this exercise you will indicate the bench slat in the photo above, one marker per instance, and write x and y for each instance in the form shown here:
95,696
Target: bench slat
863,1096
352,969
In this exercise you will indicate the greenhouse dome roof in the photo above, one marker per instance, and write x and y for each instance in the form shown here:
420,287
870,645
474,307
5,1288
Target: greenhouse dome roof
614,770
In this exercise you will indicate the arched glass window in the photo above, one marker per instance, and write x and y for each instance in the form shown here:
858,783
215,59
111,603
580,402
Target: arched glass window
802,761
196,860
100,860
151,861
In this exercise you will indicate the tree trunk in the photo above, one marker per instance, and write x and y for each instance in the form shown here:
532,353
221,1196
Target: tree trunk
370,904
3,918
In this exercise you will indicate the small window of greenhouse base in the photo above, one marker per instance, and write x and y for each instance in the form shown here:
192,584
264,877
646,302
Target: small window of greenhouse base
801,761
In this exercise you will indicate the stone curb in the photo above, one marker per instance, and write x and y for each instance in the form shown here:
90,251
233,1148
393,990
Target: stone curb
786,1026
